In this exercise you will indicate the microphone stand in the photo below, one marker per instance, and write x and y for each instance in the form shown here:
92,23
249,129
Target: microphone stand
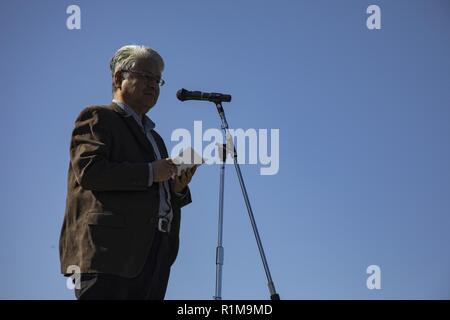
220,250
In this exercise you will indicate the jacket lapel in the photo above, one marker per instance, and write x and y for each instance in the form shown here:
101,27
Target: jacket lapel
134,127
160,144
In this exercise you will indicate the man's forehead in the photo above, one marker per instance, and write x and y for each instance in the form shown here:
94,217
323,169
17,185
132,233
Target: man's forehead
147,65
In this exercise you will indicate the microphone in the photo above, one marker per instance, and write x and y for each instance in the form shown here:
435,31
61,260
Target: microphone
184,95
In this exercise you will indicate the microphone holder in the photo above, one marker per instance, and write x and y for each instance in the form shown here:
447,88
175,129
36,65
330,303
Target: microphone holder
220,250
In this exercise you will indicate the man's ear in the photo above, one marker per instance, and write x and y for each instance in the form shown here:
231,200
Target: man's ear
118,78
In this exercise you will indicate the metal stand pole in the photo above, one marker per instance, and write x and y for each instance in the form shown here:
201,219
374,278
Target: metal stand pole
219,249
219,254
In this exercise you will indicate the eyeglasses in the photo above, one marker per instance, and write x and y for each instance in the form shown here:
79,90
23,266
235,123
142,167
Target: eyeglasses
147,76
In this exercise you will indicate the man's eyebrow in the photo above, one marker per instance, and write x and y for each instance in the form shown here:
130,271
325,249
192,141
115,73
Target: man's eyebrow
152,73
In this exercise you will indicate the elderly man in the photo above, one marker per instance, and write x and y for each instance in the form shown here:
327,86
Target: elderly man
122,217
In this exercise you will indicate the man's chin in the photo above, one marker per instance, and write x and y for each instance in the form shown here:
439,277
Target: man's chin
150,105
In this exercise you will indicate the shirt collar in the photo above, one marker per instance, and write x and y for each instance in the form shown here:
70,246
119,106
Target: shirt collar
146,123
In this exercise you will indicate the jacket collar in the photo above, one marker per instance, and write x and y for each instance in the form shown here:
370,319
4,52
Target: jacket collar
134,127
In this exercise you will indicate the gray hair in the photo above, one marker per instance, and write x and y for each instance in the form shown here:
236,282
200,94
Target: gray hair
126,57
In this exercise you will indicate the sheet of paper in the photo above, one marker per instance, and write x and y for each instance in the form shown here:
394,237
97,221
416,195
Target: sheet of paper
187,159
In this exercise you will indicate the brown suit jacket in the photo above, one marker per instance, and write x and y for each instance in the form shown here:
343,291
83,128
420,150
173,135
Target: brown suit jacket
111,213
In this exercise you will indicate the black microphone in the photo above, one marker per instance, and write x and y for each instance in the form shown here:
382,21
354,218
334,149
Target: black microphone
184,95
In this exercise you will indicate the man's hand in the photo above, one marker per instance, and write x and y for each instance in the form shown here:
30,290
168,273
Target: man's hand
163,169
180,182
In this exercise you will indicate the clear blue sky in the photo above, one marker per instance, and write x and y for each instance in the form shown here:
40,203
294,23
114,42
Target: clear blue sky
364,119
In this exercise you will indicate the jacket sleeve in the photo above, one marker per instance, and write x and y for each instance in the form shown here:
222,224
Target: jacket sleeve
181,200
90,151
178,200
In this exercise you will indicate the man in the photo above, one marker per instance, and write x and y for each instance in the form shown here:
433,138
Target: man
122,217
